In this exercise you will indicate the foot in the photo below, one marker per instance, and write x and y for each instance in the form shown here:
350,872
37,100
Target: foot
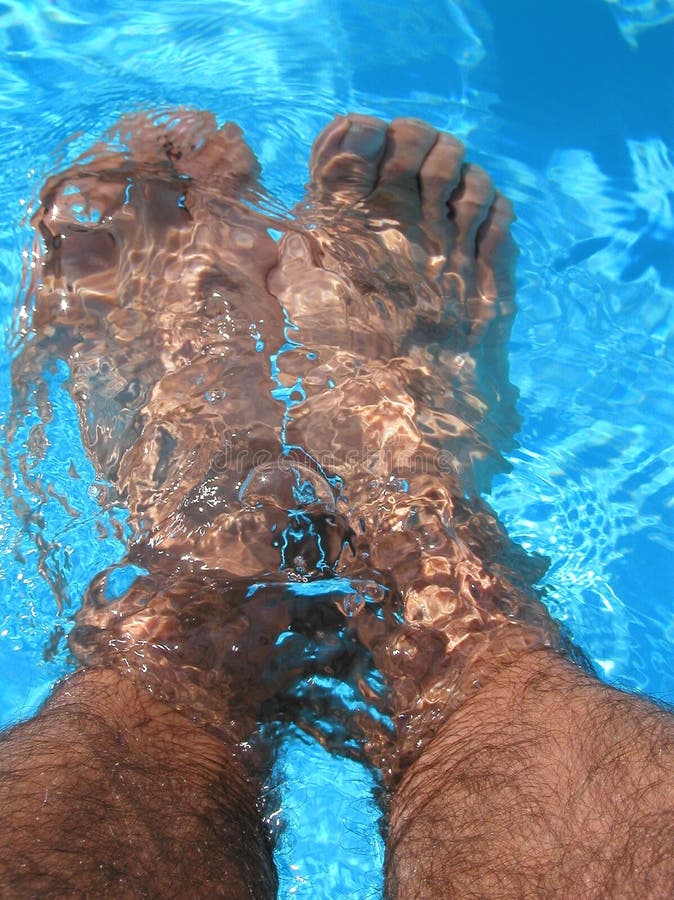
409,253
152,287
408,186
148,228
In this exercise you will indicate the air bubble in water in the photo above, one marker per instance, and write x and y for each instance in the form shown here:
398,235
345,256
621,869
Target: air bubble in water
286,484
351,604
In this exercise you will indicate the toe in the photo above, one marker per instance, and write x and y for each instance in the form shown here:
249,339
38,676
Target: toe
221,161
327,144
497,252
151,137
440,174
345,157
191,143
469,206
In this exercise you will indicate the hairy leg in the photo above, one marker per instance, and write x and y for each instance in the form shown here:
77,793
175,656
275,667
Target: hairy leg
110,793
151,284
545,783
515,773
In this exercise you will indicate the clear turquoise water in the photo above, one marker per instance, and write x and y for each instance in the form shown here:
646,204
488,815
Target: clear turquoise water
569,104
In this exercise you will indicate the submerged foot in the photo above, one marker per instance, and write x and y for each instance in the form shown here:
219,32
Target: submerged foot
165,196
151,285
408,184
407,252
402,251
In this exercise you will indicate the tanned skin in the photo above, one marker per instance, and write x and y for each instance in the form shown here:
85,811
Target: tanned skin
110,793
512,772
545,783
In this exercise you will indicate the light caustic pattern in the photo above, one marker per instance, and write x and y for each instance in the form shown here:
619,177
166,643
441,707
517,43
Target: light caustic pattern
297,428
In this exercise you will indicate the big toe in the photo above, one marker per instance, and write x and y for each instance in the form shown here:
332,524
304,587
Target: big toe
361,158
217,159
345,158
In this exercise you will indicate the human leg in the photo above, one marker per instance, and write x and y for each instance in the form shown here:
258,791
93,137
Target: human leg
110,792
518,774
545,783
151,271
138,632
456,585
409,257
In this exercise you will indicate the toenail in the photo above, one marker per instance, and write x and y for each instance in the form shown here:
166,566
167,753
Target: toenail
364,140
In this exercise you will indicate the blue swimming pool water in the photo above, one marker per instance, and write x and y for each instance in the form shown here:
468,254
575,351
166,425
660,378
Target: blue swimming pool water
569,104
